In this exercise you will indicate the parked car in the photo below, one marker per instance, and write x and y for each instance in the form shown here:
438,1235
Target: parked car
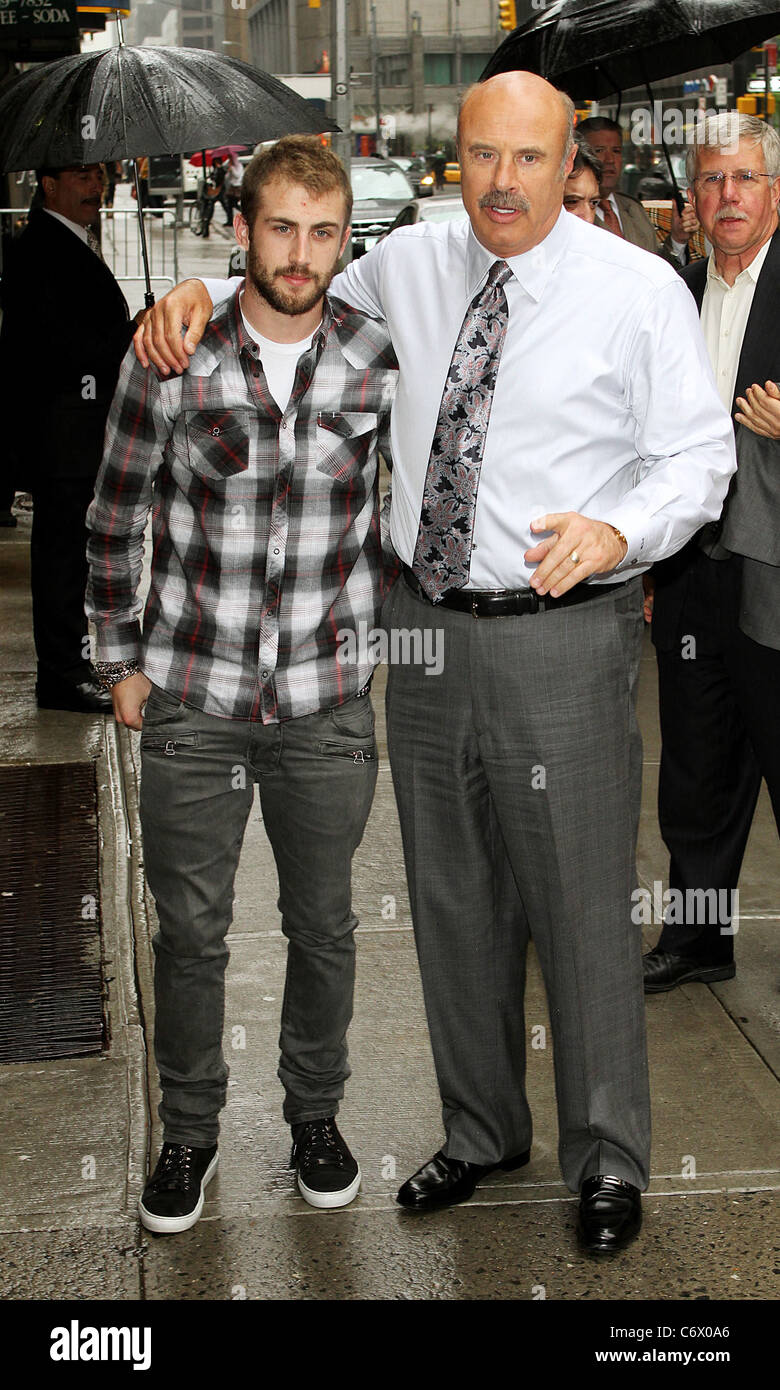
442,209
381,190
452,172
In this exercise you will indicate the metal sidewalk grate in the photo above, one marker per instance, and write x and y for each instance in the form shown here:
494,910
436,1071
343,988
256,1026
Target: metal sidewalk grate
51,985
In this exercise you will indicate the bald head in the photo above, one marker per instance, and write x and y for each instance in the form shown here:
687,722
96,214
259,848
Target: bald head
516,146
517,88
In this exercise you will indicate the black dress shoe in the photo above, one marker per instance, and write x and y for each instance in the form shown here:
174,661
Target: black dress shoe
610,1214
445,1181
663,970
82,697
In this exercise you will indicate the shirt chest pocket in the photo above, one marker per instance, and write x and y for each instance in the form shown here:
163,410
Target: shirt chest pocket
345,444
217,443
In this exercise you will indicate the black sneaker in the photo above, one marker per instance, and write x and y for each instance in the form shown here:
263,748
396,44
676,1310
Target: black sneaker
173,1197
328,1175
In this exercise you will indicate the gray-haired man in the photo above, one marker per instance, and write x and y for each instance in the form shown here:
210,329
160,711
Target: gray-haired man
716,621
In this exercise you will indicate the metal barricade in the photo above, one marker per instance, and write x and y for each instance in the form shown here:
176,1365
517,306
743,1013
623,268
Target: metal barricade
121,244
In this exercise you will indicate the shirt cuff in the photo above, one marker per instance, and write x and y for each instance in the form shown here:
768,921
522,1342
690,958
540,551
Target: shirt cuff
628,523
119,643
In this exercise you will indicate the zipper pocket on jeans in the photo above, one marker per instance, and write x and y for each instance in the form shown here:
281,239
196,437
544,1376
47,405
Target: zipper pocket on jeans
157,743
357,755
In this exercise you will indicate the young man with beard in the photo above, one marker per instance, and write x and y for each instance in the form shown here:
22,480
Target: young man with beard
260,462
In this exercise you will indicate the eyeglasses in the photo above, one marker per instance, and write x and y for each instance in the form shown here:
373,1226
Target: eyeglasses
743,178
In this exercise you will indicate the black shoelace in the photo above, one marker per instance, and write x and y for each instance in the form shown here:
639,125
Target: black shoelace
320,1145
175,1168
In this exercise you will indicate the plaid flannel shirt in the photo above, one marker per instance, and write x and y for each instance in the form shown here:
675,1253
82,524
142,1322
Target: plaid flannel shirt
267,537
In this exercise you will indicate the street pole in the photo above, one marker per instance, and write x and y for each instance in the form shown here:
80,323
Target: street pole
340,89
375,67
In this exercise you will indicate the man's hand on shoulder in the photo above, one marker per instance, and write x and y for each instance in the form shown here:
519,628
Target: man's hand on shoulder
158,340
578,548
128,698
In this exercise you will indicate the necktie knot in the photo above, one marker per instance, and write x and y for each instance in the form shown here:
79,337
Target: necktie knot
500,272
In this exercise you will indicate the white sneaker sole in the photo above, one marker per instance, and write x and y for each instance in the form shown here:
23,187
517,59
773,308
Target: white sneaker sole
169,1225
329,1200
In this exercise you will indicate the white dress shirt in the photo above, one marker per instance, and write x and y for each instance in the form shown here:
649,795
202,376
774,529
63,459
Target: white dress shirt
725,310
605,402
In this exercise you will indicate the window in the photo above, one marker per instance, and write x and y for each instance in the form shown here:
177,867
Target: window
437,69
472,66
393,70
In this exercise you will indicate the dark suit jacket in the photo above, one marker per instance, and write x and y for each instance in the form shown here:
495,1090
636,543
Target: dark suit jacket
759,361
65,331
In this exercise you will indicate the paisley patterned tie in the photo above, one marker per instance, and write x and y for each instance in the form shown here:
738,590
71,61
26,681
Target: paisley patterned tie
442,555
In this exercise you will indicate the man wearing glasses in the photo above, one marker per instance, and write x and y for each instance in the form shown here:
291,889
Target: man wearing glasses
716,623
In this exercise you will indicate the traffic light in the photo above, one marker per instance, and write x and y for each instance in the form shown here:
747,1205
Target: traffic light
507,14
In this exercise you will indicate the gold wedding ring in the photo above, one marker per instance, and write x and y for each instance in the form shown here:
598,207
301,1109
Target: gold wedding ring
574,557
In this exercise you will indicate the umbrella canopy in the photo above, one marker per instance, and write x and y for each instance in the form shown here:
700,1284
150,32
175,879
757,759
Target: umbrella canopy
128,101
592,48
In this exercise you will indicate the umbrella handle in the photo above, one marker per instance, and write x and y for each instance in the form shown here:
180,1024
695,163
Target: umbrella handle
676,194
148,295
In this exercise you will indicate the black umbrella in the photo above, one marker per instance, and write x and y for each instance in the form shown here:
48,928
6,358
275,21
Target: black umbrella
592,48
126,102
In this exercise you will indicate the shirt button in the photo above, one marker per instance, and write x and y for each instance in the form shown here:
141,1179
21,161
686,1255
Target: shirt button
276,552
264,674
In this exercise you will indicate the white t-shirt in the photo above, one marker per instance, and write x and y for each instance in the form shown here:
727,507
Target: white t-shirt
279,360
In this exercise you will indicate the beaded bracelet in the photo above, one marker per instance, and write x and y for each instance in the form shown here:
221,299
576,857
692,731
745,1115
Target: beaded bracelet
110,673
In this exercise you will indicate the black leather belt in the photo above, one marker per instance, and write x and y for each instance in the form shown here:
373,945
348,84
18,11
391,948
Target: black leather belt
508,603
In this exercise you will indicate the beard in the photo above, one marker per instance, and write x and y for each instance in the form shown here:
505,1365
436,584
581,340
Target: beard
268,283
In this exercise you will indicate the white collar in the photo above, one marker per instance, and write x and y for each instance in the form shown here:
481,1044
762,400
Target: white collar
532,268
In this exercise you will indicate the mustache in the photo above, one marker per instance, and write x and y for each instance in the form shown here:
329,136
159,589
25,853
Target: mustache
294,270
516,202
731,214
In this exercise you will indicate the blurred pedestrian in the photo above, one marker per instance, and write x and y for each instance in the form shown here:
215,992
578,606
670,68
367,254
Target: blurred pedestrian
233,178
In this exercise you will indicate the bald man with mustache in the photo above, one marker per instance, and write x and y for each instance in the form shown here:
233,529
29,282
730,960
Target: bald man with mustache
547,448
